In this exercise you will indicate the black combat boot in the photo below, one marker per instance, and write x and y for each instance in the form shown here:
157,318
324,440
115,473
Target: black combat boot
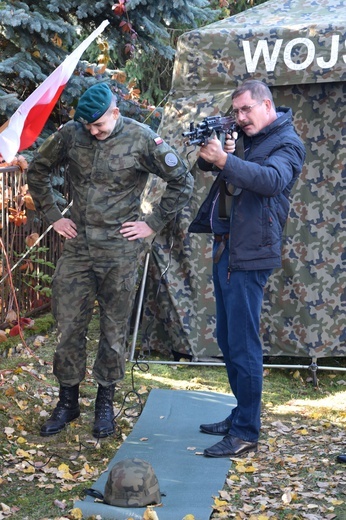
104,413
65,411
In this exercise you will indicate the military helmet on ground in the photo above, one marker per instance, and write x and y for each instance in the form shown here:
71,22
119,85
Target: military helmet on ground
132,483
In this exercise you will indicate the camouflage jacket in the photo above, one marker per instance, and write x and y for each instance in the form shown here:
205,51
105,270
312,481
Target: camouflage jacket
273,160
107,179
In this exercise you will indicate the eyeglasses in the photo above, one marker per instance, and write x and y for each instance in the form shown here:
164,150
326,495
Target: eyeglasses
245,109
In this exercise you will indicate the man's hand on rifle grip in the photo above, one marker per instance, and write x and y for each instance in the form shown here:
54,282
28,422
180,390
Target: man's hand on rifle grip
229,146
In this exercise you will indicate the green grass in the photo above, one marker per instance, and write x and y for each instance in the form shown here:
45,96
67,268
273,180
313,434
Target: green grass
292,476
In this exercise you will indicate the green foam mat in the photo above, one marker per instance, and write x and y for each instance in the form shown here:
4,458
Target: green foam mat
167,436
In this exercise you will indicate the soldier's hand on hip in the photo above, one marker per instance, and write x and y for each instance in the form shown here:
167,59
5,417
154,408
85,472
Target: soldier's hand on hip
65,227
134,230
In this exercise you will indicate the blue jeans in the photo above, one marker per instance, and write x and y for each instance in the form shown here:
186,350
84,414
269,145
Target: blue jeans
239,299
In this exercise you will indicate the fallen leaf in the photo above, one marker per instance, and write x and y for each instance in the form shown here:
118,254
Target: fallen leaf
76,514
29,469
150,514
11,317
219,502
5,508
30,239
64,472
23,454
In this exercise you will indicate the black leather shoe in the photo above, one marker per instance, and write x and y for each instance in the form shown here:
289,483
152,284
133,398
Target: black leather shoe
230,446
341,458
219,428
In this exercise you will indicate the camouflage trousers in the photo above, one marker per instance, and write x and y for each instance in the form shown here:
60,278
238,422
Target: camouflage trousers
78,283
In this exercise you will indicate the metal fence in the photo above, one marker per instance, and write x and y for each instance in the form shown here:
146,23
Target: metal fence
29,249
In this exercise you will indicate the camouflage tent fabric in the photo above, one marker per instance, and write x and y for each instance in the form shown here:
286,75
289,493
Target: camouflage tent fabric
298,48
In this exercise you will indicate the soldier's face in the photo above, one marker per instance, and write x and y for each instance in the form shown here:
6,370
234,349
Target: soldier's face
252,115
103,127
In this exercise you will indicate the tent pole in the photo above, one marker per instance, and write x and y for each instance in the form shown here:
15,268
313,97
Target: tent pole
139,308
221,364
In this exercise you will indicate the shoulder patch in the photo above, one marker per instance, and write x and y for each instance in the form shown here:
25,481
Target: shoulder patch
158,140
171,159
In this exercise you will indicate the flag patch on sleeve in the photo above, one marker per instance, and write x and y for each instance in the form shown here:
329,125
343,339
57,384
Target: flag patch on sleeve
158,140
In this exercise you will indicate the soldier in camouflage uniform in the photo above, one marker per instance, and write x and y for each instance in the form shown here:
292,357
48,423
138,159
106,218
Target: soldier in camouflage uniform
109,158
246,209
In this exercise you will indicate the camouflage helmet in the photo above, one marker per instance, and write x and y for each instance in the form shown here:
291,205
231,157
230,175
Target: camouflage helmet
132,482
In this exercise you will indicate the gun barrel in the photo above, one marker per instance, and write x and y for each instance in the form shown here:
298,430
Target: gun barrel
188,134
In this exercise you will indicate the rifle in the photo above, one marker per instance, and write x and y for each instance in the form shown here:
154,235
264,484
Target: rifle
200,133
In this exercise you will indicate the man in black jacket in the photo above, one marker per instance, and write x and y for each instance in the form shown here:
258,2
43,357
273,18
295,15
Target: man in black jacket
246,210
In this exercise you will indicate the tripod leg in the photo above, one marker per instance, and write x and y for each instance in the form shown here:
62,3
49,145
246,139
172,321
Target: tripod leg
139,308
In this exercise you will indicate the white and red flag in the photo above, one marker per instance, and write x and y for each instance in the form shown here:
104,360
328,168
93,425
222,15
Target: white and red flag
26,124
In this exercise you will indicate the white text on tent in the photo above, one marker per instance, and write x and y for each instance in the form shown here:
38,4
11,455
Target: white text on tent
305,44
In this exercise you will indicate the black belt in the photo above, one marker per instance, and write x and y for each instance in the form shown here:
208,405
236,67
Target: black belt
221,239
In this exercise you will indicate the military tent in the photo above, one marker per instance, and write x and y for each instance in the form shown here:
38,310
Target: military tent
298,48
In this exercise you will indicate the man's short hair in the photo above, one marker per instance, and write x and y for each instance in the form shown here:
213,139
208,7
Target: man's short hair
258,89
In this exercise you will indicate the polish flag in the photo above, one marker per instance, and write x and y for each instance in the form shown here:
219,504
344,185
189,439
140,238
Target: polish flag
26,124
